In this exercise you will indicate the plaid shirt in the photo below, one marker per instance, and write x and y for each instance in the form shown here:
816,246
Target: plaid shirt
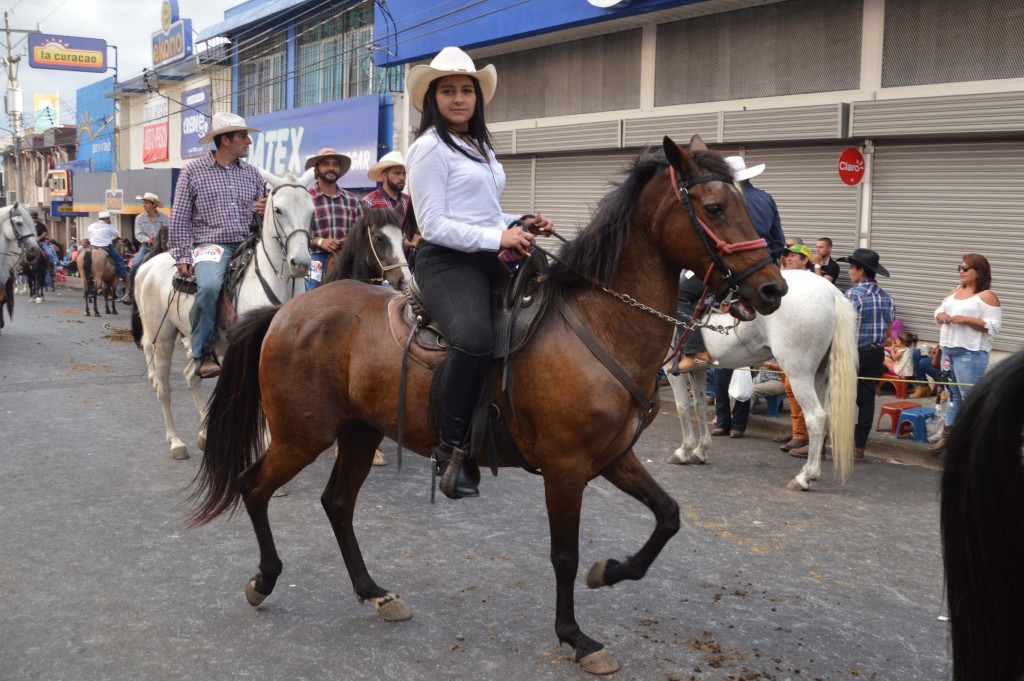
334,215
875,309
379,198
212,204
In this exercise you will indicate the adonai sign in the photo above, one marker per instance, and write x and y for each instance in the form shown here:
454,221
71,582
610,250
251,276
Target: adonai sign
174,40
67,53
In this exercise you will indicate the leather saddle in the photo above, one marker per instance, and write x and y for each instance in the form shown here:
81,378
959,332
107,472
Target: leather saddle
518,305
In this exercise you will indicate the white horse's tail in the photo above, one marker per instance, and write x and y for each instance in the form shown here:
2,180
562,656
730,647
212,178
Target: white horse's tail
842,385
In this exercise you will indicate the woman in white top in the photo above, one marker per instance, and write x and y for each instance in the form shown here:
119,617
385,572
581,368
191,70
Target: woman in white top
455,182
969,319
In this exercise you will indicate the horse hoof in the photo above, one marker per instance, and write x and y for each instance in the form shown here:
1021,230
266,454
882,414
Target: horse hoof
201,441
600,662
675,458
795,486
252,595
595,578
179,453
392,608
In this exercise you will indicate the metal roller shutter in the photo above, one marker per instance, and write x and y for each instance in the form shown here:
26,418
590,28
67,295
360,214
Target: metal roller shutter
813,202
934,202
568,188
517,198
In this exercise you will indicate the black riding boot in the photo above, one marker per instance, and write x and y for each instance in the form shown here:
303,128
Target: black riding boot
460,475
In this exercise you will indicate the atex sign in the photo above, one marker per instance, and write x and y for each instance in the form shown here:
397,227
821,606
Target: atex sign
67,53
59,182
174,40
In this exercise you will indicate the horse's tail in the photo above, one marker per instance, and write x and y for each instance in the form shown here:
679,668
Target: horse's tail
136,324
842,385
234,420
983,527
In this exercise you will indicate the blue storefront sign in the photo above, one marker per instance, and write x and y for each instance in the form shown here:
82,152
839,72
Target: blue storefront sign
290,137
64,208
95,119
67,53
195,121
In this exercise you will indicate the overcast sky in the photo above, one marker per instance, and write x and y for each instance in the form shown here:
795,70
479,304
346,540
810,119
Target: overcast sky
128,24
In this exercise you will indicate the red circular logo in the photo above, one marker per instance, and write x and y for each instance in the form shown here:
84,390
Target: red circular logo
851,166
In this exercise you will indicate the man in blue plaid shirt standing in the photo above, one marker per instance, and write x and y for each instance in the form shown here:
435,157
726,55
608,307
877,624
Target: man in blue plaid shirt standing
215,202
336,211
875,313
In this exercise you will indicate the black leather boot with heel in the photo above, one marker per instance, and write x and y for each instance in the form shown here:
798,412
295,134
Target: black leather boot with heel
460,476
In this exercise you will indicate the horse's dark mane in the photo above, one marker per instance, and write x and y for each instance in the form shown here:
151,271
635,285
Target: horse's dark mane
594,254
982,519
351,263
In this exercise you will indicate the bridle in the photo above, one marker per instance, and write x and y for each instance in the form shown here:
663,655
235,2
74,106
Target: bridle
715,246
384,269
19,238
280,237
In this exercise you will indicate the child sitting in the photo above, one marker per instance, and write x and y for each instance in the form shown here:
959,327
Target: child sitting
899,359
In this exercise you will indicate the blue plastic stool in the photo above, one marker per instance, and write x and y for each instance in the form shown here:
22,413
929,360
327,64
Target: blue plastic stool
917,419
773,404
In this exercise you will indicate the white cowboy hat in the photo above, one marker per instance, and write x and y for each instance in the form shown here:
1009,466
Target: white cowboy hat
327,152
740,170
103,215
392,159
150,196
223,122
451,61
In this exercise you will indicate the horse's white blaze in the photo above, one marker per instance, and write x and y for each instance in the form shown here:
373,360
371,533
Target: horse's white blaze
397,241
813,337
165,313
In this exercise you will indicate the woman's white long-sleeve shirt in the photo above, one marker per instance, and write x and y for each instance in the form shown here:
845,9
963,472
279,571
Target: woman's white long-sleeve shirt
456,198
963,335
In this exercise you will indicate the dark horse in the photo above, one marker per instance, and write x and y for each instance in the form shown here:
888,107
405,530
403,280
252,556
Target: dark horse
573,418
983,528
34,268
374,241
99,276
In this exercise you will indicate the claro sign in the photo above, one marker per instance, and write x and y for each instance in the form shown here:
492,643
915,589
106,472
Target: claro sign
174,40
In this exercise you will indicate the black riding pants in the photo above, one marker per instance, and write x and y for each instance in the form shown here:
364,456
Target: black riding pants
456,287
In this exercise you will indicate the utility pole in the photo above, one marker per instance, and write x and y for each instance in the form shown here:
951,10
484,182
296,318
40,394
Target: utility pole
14,104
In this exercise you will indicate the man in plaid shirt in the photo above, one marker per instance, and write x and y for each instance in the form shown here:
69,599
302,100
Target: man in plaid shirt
390,171
214,202
336,211
875,313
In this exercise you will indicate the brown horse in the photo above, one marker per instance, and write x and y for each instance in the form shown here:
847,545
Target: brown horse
574,417
99,276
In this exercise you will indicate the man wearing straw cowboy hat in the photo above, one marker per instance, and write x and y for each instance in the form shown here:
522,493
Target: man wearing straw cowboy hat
875,313
216,200
390,172
147,226
336,210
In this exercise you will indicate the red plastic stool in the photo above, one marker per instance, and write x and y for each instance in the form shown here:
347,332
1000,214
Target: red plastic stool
898,383
893,411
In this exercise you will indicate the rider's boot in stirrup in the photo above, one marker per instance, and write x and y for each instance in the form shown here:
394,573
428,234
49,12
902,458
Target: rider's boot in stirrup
460,476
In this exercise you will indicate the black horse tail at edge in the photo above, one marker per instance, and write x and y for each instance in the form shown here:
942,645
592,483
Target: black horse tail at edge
234,420
136,324
982,520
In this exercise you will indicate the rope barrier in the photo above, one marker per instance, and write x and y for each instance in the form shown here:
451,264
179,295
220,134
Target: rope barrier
861,378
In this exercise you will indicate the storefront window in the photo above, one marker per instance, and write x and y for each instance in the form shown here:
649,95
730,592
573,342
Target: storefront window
261,76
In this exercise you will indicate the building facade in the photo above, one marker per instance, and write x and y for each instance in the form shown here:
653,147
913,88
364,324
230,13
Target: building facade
931,93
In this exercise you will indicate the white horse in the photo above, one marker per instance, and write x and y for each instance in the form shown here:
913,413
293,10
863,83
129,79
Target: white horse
813,337
160,315
17,239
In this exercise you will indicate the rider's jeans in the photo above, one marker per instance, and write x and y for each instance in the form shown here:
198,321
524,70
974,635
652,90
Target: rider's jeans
203,316
139,257
321,257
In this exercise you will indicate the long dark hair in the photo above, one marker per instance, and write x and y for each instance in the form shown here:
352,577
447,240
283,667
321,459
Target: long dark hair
984,270
432,119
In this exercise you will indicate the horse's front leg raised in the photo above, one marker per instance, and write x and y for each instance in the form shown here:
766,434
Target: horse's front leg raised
631,477
564,498
356,446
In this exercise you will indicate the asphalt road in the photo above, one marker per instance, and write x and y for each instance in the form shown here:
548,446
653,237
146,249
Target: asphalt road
101,580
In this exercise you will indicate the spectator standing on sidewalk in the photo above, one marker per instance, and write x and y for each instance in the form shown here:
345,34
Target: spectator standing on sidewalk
969,319
875,314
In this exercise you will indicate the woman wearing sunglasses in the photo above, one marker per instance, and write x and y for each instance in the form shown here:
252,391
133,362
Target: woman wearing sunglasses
968,319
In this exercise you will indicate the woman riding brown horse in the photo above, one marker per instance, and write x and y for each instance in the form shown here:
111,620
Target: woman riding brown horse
585,385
